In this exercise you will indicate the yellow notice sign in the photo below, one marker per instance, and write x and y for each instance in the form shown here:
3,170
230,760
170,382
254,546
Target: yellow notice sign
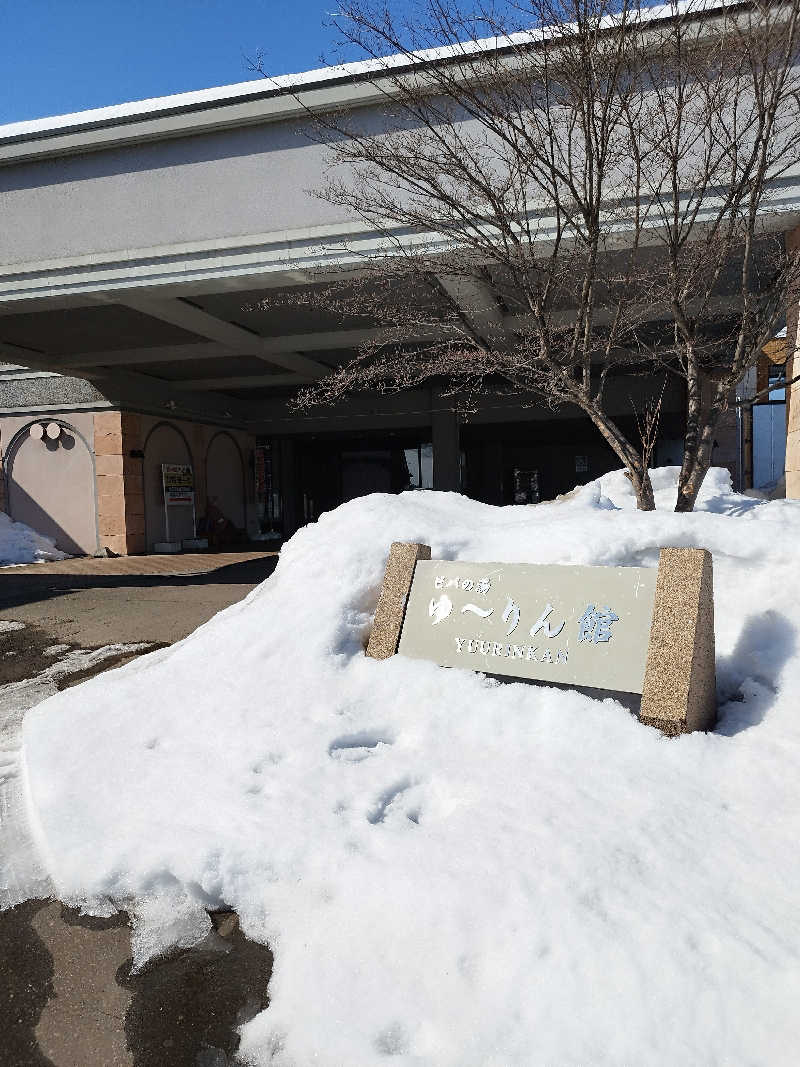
178,482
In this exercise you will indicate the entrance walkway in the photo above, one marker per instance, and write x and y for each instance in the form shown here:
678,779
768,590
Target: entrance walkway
158,599
183,563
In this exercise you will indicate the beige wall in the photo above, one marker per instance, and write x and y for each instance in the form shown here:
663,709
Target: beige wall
50,485
99,486
219,458
132,514
120,499
165,443
225,478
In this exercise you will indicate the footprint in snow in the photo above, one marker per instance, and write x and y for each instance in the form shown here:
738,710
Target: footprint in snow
353,748
393,1041
388,797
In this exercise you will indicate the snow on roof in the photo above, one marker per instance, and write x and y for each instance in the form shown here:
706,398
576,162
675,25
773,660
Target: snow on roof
136,109
286,83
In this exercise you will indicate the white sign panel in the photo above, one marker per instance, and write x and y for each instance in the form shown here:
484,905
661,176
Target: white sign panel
178,482
587,626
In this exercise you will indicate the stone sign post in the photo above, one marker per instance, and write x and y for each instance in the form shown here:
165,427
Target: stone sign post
628,630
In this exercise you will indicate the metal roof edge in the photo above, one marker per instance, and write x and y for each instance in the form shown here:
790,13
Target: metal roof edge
261,99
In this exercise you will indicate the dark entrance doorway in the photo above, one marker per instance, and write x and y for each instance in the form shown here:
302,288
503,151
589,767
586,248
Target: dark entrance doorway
527,462
332,468
367,471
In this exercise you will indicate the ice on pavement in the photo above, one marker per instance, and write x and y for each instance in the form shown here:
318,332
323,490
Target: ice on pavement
451,871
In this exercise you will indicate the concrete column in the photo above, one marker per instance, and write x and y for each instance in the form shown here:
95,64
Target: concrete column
446,451
290,491
792,467
120,485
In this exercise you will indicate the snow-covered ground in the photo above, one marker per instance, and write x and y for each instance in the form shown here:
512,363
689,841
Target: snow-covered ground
452,871
22,873
20,544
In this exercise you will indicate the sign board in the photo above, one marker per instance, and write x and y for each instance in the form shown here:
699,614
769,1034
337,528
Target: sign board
178,482
633,630
586,626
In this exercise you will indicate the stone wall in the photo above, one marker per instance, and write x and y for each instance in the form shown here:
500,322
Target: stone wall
120,489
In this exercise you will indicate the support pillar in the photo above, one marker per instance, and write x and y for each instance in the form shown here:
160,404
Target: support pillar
290,491
446,451
120,482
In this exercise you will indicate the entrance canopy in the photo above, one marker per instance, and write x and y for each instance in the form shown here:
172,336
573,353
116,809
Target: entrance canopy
135,240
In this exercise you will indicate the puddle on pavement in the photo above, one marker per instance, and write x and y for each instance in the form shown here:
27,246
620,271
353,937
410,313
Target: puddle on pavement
68,992
23,653
27,652
186,1007
26,985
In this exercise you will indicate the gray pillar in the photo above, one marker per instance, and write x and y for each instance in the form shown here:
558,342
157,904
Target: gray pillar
292,518
446,451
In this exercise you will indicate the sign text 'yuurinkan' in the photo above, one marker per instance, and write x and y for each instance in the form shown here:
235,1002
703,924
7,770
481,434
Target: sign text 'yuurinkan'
635,630
584,626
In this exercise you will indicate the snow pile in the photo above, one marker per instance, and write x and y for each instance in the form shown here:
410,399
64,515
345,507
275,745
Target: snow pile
20,544
452,871
21,873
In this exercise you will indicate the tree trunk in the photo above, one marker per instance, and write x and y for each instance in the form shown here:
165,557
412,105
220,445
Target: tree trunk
688,489
701,427
643,487
630,457
690,481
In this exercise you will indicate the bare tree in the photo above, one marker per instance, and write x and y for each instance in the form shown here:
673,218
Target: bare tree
568,192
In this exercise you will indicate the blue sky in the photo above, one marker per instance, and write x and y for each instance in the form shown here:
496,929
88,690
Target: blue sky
58,56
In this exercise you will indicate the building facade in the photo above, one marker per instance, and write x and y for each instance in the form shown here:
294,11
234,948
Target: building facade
135,245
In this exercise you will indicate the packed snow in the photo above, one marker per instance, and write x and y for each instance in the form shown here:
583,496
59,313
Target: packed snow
22,874
449,870
21,544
